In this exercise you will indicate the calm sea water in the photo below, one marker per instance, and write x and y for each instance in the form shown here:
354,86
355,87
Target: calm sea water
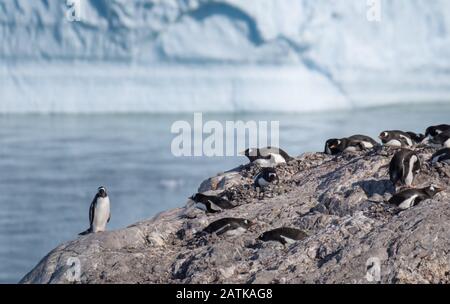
51,166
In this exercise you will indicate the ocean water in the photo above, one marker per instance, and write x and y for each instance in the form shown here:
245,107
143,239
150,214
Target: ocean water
51,166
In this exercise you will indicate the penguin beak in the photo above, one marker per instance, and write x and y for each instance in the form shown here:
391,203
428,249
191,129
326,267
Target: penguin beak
438,189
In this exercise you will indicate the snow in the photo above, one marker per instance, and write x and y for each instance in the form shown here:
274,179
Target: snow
228,55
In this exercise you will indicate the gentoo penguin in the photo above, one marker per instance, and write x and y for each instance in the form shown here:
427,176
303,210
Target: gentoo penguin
265,177
441,156
416,137
284,235
349,144
230,226
396,139
210,203
403,167
366,141
411,197
267,157
99,212
433,131
441,140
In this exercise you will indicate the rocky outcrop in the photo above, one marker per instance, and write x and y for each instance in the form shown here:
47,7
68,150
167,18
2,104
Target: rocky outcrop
354,236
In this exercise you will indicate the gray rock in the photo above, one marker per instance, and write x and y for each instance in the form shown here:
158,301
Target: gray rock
354,235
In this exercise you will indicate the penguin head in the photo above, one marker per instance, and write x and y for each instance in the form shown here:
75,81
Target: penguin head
263,237
270,174
431,131
272,177
193,197
247,223
332,146
102,192
432,190
251,153
198,197
384,136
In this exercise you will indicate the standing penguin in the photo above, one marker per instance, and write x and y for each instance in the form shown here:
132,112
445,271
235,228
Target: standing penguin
210,203
99,212
267,157
403,167
265,177
396,139
411,197
441,156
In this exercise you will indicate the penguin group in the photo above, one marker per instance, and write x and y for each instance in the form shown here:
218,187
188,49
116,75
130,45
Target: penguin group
404,166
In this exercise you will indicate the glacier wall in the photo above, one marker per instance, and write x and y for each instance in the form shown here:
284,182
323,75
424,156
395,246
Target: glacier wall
228,55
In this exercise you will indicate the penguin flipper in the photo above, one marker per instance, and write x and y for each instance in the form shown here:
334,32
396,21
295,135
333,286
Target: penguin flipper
92,210
224,229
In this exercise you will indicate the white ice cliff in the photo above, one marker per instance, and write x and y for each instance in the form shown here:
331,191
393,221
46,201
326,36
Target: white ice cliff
229,55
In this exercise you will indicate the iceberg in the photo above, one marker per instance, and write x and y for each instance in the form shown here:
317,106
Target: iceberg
162,56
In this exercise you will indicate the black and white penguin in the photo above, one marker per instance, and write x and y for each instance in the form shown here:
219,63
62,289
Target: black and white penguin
349,144
396,139
441,156
210,203
267,157
284,235
229,226
99,212
441,140
403,167
433,131
265,177
411,197
366,141
416,137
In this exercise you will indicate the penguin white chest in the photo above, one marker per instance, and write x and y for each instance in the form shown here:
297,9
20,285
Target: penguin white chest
367,145
101,214
408,203
272,161
394,143
287,240
410,175
235,232
277,158
351,149
447,143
